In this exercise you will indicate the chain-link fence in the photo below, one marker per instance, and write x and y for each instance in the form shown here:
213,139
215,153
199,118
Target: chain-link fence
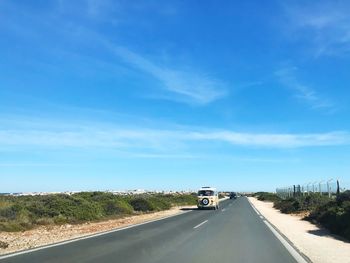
325,187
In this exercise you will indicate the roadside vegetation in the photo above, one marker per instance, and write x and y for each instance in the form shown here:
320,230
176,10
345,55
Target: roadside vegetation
19,213
331,213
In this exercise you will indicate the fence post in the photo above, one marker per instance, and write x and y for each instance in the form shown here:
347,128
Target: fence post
320,186
298,190
338,188
329,188
313,186
294,190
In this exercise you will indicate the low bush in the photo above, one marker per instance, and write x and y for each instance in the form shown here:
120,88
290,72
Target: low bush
24,212
188,199
290,205
312,201
345,196
13,226
142,204
118,207
301,203
265,196
334,215
3,244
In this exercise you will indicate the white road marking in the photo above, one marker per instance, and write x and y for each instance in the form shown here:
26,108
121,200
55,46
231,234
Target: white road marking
295,254
288,246
200,224
254,208
86,237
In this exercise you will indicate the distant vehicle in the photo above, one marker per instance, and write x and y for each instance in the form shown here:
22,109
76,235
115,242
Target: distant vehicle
233,195
207,197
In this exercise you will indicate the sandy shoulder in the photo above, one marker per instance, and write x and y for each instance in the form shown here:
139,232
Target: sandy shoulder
316,243
45,235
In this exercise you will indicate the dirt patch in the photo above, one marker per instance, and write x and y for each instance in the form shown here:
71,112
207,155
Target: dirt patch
301,214
44,235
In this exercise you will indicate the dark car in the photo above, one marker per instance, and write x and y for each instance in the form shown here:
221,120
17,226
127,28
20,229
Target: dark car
233,195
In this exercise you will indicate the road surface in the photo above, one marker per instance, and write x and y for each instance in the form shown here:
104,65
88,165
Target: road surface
234,233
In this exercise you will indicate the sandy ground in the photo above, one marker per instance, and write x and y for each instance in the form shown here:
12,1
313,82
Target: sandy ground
316,243
52,234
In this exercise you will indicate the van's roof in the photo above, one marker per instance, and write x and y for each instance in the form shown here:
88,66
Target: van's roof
207,188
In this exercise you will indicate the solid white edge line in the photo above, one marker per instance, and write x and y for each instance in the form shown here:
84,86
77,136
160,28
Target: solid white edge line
86,237
200,224
295,254
290,249
254,208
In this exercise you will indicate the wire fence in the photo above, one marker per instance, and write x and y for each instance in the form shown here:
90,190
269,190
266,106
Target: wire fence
325,187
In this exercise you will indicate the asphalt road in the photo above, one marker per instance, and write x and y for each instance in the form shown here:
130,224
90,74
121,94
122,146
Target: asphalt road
234,233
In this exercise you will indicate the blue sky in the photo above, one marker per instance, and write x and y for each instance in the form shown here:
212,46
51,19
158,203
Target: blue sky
241,95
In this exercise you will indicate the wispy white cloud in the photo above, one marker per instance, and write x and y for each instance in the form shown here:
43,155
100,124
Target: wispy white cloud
30,164
287,76
276,140
154,140
182,83
324,24
189,85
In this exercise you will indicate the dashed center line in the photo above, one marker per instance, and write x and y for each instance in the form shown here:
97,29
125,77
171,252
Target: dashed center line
200,224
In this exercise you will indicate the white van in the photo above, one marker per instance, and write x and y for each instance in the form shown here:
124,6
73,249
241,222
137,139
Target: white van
207,197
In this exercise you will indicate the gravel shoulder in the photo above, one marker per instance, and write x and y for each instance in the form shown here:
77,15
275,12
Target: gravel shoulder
316,243
45,235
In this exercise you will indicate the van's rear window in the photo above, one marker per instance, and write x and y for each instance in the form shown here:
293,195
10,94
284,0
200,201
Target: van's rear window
205,193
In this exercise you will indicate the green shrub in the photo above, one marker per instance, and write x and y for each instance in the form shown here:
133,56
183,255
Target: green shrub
331,214
60,219
142,204
345,196
3,244
117,207
265,196
334,215
18,213
287,206
44,221
178,199
12,226
301,203
312,201
9,212
162,202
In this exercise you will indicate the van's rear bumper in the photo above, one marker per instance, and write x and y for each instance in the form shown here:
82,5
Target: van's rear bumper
206,206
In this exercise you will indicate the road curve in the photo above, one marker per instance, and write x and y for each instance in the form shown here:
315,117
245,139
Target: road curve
234,233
